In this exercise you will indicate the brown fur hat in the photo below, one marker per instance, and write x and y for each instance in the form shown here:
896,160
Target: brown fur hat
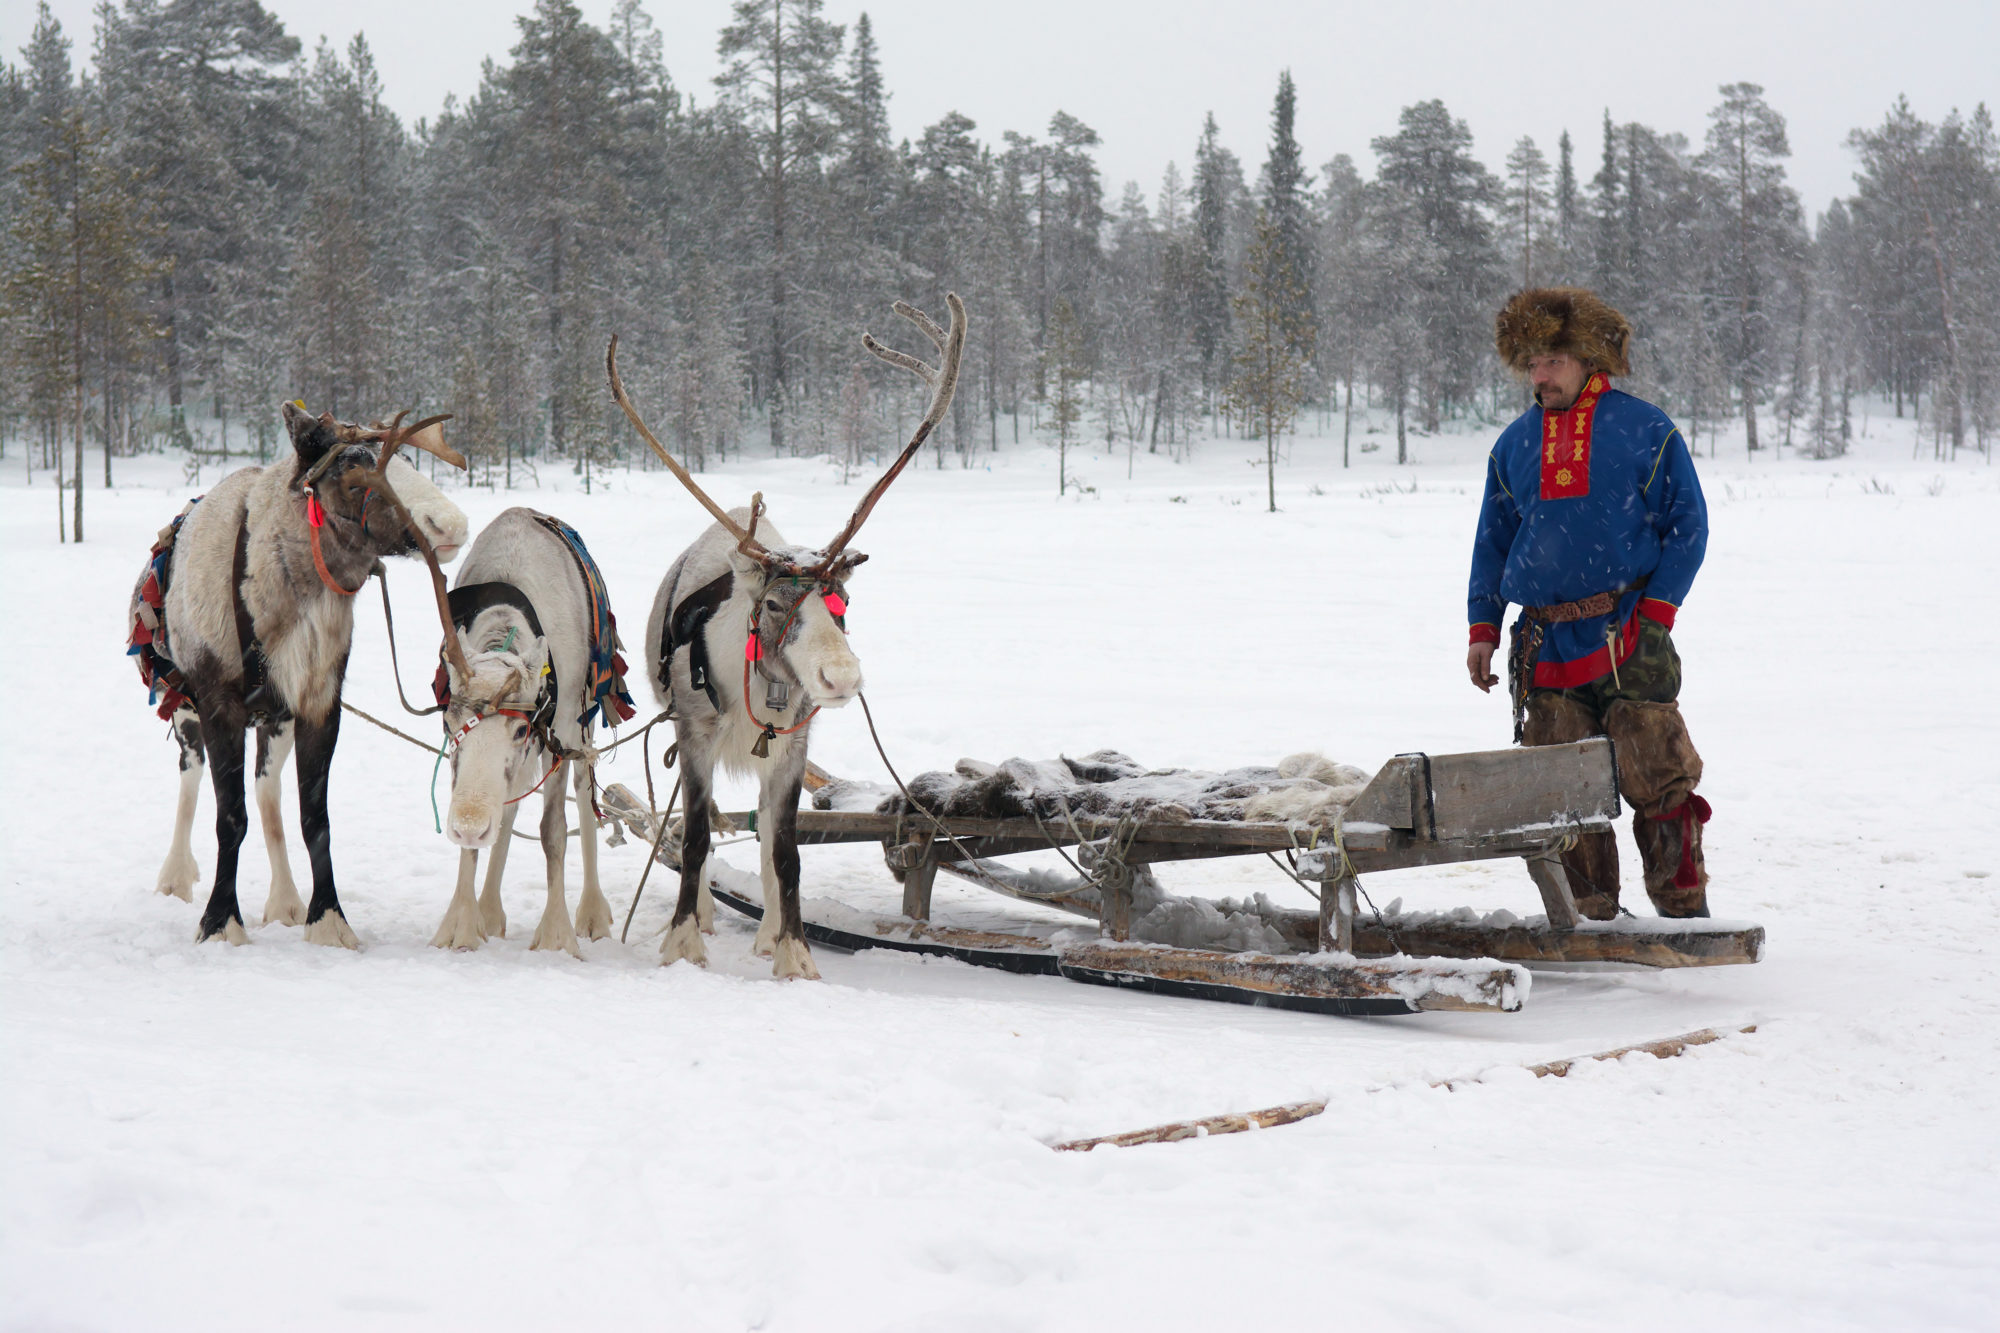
1542,320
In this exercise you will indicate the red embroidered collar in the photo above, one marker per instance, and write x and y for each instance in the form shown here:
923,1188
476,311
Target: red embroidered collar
1566,444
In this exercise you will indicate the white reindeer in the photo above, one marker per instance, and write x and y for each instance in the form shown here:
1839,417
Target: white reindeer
738,596
519,719
252,626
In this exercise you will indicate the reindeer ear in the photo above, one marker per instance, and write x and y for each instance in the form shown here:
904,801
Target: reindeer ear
310,438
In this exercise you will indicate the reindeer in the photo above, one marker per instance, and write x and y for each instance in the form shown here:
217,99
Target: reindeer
523,691
789,605
246,617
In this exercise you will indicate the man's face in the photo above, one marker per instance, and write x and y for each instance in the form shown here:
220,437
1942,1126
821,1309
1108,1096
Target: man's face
1557,379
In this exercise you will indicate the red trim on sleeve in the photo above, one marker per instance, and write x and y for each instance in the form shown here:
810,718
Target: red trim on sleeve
1485,634
1654,609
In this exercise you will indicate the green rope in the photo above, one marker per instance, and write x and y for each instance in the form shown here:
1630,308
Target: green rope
435,819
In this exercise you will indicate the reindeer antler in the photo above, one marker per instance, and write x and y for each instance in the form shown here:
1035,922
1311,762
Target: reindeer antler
425,435
393,436
745,541
943,381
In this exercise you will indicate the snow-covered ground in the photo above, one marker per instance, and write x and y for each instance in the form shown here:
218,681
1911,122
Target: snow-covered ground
281,1136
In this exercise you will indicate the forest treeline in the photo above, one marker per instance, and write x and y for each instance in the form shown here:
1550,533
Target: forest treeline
213,220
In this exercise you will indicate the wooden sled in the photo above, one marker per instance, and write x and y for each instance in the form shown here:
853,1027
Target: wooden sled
1419,810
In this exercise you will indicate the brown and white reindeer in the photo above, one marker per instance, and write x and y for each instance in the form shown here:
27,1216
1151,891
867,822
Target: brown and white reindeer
740,592
246,616
536,662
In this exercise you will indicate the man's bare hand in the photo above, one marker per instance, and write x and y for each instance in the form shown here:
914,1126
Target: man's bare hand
1479,665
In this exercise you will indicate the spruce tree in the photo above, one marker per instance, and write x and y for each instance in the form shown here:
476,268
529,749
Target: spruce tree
1755,220
1217,181
1270,365
1064,373
780,79
1286,201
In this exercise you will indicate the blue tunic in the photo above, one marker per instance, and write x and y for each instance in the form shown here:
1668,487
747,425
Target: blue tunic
1640,515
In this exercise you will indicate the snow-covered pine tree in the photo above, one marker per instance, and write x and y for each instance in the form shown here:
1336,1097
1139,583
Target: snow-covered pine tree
1567,218
1343,282
1288,203
1525,209
1755,220
1218,181
1064,373
1275,347
781,83
1429,163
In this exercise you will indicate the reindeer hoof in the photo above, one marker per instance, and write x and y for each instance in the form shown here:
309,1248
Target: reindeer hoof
459,930
283,907
684,941
492,917
232,932
332,930
177,879
593,915
555,932
791,960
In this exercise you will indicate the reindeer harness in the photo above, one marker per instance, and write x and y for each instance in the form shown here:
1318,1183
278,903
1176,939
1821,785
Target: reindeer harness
604,665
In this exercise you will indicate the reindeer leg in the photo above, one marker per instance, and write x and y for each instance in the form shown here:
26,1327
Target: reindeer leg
222,730
283,905
684,935
325,922
461,928
493,916
766,943
778,820
179,872
555,931
593,911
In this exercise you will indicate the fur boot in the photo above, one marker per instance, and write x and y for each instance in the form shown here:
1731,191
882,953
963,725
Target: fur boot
1658,769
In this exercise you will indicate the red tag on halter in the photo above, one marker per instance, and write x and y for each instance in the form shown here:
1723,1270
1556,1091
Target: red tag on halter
314,514
753,649
836,604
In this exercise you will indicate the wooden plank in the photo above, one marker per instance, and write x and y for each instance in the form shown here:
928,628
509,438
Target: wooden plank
917,887
1494,791
1644,941
826,826
1411,984
1080,900
1336,915
1114,897
1293,1112
1553,881
1393,796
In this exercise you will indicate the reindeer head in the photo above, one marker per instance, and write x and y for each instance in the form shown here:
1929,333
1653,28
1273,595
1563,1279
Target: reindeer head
496,722
798,630
797,638
341,467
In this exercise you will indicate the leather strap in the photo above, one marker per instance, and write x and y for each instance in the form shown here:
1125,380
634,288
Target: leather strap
1586,608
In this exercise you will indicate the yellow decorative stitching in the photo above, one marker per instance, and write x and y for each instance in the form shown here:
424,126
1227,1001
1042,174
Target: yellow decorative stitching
1656,460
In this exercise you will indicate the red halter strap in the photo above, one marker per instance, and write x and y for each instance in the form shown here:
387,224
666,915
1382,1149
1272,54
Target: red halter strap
753,651
458,737
315,520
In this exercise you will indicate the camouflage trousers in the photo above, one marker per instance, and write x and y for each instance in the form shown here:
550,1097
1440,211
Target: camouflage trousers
1658,770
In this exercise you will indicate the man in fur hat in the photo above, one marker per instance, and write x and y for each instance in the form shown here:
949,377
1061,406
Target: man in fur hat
1594,525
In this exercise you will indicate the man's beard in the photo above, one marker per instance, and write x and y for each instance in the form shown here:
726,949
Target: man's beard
1552,399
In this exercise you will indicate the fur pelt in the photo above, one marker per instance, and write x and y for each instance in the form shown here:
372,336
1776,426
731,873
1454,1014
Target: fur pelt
1304,788
1545,320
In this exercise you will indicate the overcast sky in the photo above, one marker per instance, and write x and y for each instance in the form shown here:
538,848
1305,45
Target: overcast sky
1143,73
